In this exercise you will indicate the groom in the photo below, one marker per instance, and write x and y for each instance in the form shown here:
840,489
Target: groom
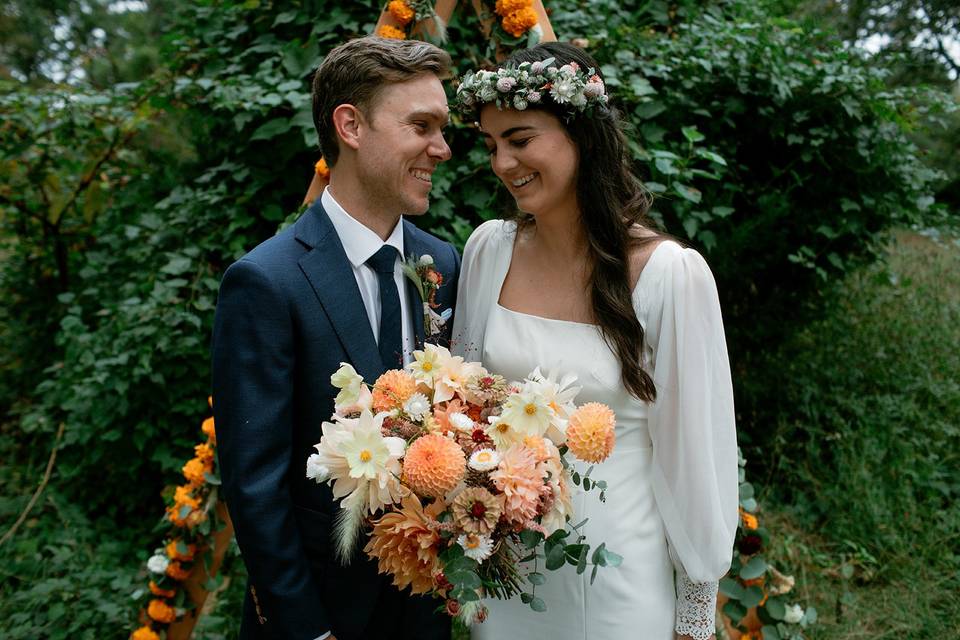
328,290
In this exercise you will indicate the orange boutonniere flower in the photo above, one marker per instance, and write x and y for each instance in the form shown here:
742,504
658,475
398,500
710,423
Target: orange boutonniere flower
161,612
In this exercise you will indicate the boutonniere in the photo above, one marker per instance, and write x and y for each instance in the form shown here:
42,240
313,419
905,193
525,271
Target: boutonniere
427,279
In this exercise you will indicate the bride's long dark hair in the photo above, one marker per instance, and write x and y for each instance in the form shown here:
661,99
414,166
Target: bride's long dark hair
612,201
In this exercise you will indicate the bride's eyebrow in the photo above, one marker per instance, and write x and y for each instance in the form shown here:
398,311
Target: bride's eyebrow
512,130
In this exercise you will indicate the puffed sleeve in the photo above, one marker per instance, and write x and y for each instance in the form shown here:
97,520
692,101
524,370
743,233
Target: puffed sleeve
486,258
692,428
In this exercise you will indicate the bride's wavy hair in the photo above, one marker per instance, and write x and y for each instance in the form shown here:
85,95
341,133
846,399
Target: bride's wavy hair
612,202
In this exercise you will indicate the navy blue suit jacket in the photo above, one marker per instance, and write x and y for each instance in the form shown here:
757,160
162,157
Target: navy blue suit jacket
289,312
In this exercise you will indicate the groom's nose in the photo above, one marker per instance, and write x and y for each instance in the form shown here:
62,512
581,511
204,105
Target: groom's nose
439,149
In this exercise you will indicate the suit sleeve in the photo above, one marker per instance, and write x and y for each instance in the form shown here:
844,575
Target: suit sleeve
253,366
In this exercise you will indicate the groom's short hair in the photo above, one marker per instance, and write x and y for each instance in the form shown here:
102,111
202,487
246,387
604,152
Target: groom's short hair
355,73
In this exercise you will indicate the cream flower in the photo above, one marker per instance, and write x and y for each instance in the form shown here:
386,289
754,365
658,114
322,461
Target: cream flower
453,376
363,464
559,396
476,546
560,508
426,364
461,421
349,382
528,412
503,434
316,470
794,614
484,460
416,406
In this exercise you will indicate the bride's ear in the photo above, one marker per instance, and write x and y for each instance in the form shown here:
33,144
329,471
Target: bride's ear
347,120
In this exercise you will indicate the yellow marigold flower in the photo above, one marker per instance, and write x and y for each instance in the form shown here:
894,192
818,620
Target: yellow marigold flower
321,169
392,390
590,432
400,11
519,22
749,520
177,572
161,611
161,593
506,7
173,554
387,31
194,471
209,430
144,633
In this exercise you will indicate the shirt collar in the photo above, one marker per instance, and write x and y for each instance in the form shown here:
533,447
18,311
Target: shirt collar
359,241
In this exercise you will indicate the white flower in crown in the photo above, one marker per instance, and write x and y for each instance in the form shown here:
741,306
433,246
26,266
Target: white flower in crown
476,546
533,97
564,89
158,564
488,92
519,102
506,83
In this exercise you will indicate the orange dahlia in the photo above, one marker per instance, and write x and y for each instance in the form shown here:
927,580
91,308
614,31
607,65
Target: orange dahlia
433,465
518,477
590,433
401,12
405,541
174,554
161,593
177,572
144,633
161,611
519,22
387,31
392,390
476,510
209,430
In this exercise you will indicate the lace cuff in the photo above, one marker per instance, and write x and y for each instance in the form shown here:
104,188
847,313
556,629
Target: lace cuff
696,607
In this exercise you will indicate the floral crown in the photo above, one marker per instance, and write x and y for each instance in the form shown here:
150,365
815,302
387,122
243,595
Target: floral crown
532,83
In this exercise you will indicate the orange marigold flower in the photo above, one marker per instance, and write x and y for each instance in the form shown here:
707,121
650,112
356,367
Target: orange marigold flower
161,611
404,543
401,12
392,390
177,572
506,7
321,169
194,471
173,554
204,453
387,31
519,22
161,593
590,432
749,520
196,517
433,465
209,429
144,633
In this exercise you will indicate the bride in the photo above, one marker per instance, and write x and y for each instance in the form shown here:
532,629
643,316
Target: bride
582,283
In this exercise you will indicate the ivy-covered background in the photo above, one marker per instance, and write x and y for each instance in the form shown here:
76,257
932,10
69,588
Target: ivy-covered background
808,148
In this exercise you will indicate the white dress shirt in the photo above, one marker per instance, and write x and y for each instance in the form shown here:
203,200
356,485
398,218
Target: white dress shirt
360,243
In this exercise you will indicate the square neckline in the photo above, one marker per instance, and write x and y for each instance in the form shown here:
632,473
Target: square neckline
589,325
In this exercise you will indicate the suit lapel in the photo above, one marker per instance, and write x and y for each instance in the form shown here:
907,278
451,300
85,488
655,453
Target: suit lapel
413,247
328,270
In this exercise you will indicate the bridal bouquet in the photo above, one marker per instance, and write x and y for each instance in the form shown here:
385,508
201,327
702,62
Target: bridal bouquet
460,477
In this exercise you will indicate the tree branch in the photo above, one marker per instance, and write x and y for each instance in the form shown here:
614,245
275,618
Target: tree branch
36,495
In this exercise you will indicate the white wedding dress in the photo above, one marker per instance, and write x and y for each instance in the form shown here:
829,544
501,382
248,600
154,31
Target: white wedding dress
671,502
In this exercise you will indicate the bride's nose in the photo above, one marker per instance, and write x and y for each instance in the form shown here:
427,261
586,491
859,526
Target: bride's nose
503,162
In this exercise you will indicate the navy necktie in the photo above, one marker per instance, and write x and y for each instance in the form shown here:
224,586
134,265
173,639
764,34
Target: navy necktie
391,332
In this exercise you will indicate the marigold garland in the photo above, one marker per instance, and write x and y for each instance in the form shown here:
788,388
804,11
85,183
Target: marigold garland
401,12
389,31
322,170
187,515
518,16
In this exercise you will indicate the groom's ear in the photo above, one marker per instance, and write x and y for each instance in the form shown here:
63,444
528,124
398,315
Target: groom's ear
347,120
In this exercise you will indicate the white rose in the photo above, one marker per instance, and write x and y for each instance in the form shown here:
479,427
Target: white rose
158,564
794,614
